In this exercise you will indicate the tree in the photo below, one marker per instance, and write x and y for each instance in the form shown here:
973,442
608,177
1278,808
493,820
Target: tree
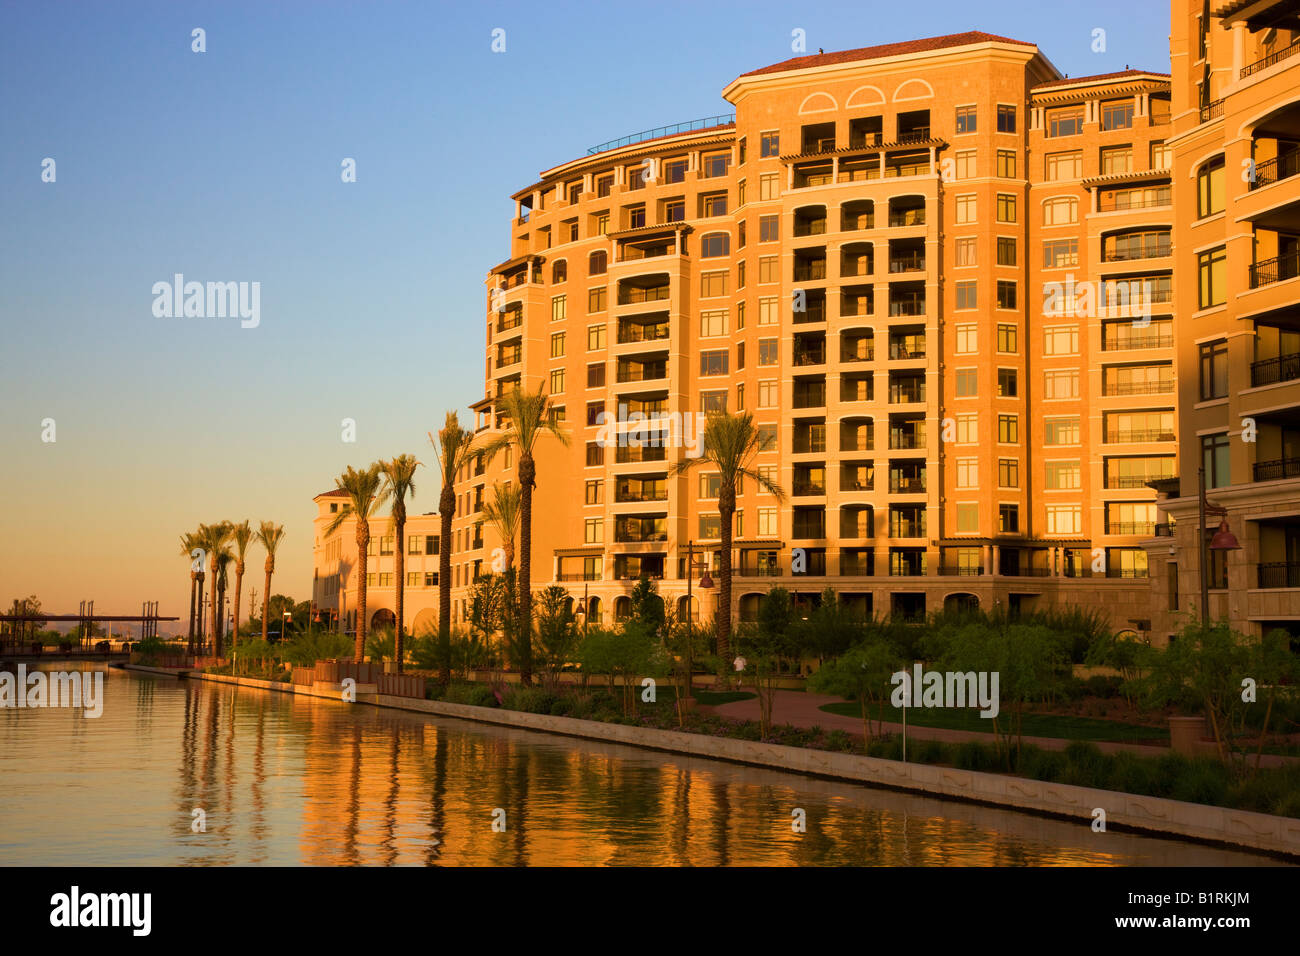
190,542
764,646
1272,663
215,538
243,535
730,444
399,475
365,496
527,419
502,512
862,672
830,629
557,632
269,535
646,605
453,447
224,558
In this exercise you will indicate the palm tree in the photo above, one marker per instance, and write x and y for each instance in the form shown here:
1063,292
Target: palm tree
730,443
528,417
365,495
502,512
243,534
269,536
215,538
224,557
453,446
399,478
190,541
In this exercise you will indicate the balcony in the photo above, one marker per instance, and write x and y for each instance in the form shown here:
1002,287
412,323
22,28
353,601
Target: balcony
1138,388
1119,482
1135,248
810,271
913,304
809,225
578,576
634,295
1283,368
1137,340
1145,528
1211,111
1276,169
809,395
857,350
907,217
1138,435
511,319
1278,269
903,439
1278,574
1268,61
635,454
642,372
901,350
808,441
907,392
906,486
1276,469
914,262
960,571
638,332
808,488
805,357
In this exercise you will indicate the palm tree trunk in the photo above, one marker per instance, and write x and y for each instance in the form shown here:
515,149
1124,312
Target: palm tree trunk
221,617
239,590
266,595
194,581
216,636
527,478
399,567
722,616
446,511
363,542
198,614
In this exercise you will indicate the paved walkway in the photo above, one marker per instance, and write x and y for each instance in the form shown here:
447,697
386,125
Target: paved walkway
802,709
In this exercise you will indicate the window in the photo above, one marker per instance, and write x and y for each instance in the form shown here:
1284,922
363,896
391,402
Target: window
769,144
598,263
1008,519
715,205
1009,429
1007,338
1006,251
602,224
431,544
968,472
635,217
740,193
740,274
1006,294
715,244
966,209
1006,164
1210,188
596,375
1064,519
768,394
605,185
597,299
769,186
1061,383
675,171
767,311
713,401
1063,166
1116,159
740,316
593,530
1007,383
1214,370
414,543
740,234
595,454
557,381
965,249
1061,431
1064,476
713,284
965,119
386,544
1117,114
713,322
595,413
1061,340
594,492
740,356
1162,156
1008,473
714,165
1006,119
767,269
595,337
767,352
968,518
1059,253
966,339
1006,207
1214,455
968,429
966,294
560,271
714,362
1065,122
769,228
1211,268
766,522
710,484
742,150
965,164
966,383
767,438
1060,211
557,345
740,396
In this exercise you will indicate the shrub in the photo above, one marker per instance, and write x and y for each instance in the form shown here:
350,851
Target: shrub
1104,687
971,755
475,695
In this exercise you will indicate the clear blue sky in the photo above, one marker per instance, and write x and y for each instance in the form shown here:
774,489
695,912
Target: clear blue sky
225,166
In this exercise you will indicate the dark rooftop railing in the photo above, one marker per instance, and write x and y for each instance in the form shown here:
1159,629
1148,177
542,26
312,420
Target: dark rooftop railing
690,126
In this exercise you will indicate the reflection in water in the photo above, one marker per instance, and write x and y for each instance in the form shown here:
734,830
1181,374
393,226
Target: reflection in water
289,779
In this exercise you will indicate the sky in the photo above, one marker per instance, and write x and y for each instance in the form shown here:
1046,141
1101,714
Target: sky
226,166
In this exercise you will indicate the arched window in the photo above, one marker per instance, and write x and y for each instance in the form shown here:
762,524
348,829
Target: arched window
622,608
598,263
560,271
715,244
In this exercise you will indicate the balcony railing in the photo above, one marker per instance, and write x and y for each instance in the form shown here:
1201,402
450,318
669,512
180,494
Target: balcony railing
1268,61
910,217
1152,340
961,571
641,373
1276,469
906,441
632,454
624,495
1278,168
811,444
1131,251
912,263
899,307
1132,481
868,355
762,571
1164,529
809,358
1135,435
854,569
1139,388
578,576
1275,270
512,319
636,295
1283,368
810,271
1278,574
814,313
690,126
1146,528
903,353
809,227
632,332
906,394
1211,111
805,488
907,486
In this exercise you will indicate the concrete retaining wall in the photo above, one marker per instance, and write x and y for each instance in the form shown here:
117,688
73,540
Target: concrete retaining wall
1256,831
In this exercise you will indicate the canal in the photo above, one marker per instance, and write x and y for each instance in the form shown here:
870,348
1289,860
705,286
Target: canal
283,779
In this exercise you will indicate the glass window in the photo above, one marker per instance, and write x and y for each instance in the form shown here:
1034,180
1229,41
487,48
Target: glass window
1214,455
1007,383
1006,294
1064,476
967,381
1006,207
1006,119
714,362
1063,166
769,144
595,337
1007,338
1117,114
965,249
769,228
966,209
1009,429
1006,164
1006,251
767,352
966,294
965,164
715,244
1214,370
713,322
965,119
1210,185
1211,269
1061,431
1061,383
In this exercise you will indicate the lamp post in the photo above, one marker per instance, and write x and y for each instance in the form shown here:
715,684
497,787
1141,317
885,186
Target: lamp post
284,627
706,582
1223,540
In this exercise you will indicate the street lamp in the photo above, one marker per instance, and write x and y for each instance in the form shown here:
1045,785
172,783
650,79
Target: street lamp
706,582
1223,540
284,628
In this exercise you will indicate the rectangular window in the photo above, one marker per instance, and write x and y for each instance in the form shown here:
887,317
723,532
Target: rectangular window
968,518
713,322
1009,429
1065,122
557,381
965,249
675,210
1162,156
1006,164
1061,383
715,205
1007,383
965,209
595,411
1006,207
713,284
968,429
966,294
966,339
1006,251
1060,253
557,345
769,394
1117,114
432,543
965,164
596,375
714,362
1007,339
768,314
595,337
593,530
1116,159
1061,431
711,402
1064,476
767,352
1064,519
1064,166
714,165
675,171
1210,184
968,472
1215,457
1006,119
966,383
1214,370
559,308
766,522
595,454
1061,340
1006,294
769,228
769,144
594,492
1008,473
768,270
1211,270
597,299
965,119
1008,519
769,186
1061,211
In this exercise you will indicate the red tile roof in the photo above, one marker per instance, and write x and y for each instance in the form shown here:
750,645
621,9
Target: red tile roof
1070,81
885,50
333,493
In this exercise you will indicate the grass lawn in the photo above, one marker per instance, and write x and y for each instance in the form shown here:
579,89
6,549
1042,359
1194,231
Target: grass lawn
1034,725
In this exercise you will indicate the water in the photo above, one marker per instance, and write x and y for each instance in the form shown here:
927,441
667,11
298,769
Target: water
287,779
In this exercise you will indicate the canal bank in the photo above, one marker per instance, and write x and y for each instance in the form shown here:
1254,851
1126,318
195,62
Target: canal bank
1220,826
